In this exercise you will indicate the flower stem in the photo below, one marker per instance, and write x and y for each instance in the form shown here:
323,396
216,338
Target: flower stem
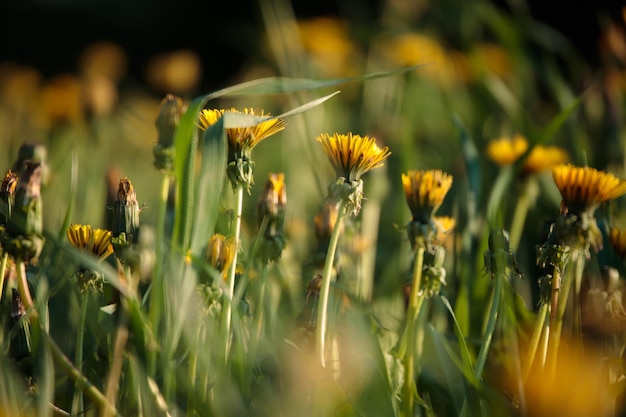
22,286
322,311
228,297
556,317
78,402
415,302
156,292
491,324
121,338
534,339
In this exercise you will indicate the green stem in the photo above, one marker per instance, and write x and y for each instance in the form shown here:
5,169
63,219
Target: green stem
83,383
156,293
534,339
22,286
415,302
193,372
259,317
228,297
327,277
121,339
491,325
78,402
556,317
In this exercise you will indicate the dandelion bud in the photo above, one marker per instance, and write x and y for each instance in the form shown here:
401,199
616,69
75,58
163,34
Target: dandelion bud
22,237
125,229
171,110
125,210
271,206
7,197
32,152
219,253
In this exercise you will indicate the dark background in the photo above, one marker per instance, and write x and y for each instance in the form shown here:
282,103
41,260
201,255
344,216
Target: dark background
50,34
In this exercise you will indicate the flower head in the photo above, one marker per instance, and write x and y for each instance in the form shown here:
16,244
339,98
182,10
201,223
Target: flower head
425,191
505,150
242,139
583,189
94,241
352,155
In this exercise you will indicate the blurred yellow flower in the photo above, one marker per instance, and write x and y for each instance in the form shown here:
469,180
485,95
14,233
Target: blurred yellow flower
94,241
617,237
327,40
445,67
352,155
581,386
506,150
583,189
243,138
425,192
491,58
544,158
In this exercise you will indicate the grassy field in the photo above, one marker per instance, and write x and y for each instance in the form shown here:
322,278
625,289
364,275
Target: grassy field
421,215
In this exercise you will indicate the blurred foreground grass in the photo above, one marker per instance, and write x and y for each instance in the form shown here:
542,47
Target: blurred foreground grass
155,341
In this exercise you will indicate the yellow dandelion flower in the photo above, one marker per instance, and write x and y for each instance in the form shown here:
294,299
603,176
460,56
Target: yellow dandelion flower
583,189
242,139
94,241
544,158
352,155
425,191
617,237
220,252
506,150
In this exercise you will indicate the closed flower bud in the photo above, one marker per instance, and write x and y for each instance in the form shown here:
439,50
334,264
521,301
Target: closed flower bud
7,197
125,211
22,237
171,110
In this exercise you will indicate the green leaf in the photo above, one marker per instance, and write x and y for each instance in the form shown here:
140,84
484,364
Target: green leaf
467,367
210,182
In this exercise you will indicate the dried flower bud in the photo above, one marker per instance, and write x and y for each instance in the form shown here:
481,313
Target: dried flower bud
7,197
32,152
125,211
